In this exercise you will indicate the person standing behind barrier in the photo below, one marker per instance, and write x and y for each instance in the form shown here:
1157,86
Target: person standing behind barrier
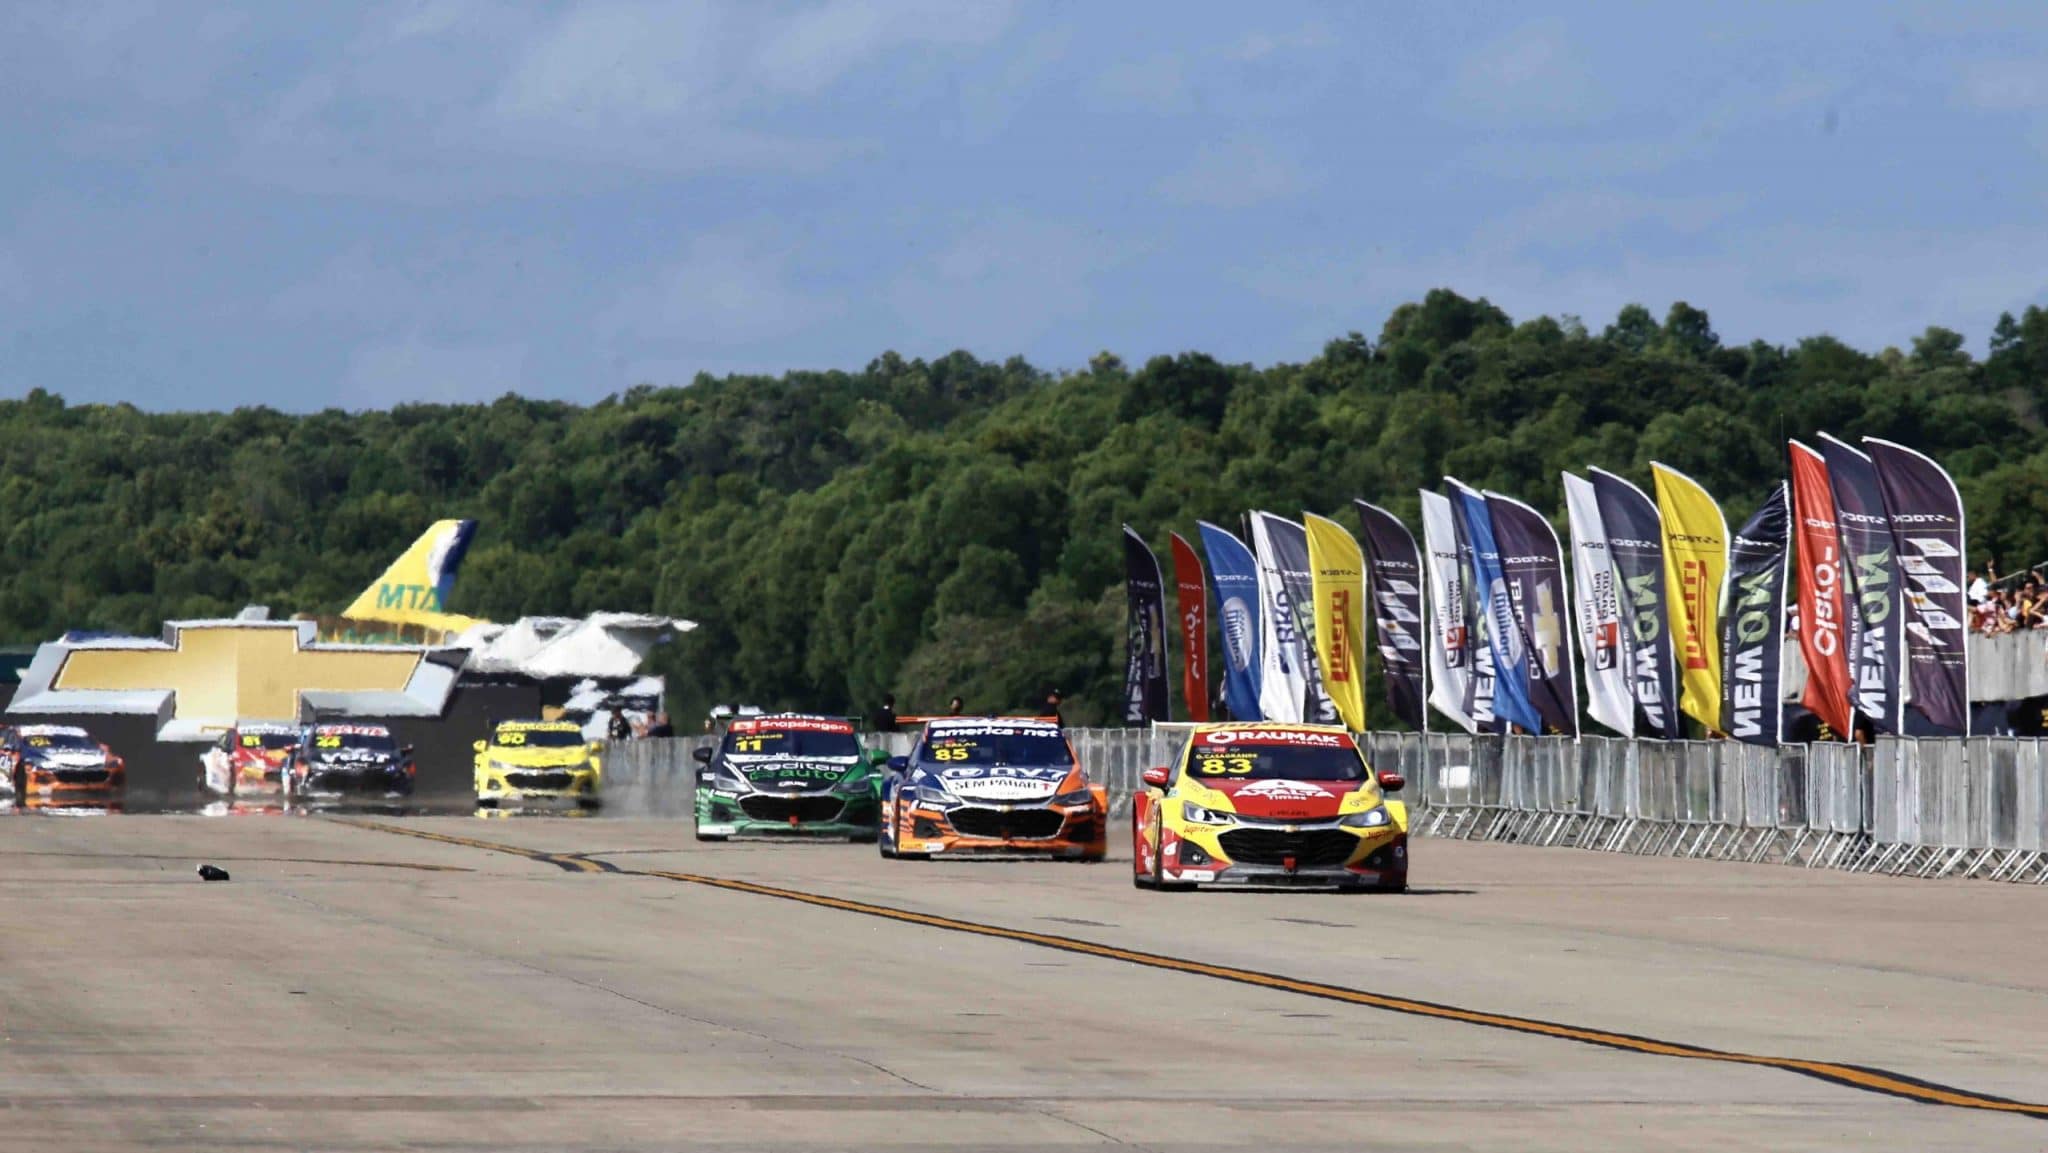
884,720
956,707
1052,707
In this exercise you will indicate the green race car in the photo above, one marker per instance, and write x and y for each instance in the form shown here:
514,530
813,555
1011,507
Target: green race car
788,775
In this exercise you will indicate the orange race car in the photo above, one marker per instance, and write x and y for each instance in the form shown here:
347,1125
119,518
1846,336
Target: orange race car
59,762
992,784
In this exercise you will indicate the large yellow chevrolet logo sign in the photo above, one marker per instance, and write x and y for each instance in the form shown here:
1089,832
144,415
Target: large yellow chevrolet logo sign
224,673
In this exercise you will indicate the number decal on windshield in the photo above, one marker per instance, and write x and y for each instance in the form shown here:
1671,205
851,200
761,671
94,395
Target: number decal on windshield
746,745
1217,766
332,741
953,754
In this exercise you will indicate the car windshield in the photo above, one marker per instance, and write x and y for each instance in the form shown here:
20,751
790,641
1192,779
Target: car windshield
60,741
1245,762
1014,747
269,740
539,738
375,742
773,741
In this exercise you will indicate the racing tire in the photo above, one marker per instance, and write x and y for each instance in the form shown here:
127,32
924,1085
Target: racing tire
1167,886
589,804
487,802
864,839
711,837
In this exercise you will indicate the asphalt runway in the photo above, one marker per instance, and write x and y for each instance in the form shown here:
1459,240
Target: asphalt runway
455,983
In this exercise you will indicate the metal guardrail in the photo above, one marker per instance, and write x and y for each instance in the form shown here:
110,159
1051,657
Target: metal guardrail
1927,807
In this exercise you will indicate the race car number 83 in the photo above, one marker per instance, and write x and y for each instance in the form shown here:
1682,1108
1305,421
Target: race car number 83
1222,766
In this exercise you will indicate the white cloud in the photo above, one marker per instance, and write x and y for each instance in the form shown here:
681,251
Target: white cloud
725,291
1235,173
419,371
816,46
2006,85
1529,74
1265,45
999,285
1158,82
14,288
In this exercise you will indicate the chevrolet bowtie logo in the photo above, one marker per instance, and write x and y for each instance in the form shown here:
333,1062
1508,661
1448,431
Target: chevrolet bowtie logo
220,673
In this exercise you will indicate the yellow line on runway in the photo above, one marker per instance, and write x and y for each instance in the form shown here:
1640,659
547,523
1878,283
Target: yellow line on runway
1852,1076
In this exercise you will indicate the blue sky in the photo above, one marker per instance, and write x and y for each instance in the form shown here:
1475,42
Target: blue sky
362,205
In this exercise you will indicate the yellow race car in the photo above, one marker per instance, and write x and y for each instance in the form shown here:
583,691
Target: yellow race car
535,761
1269,804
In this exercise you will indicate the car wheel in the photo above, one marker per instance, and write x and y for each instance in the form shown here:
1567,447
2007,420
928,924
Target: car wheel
864,838
487,802
714,837
912,856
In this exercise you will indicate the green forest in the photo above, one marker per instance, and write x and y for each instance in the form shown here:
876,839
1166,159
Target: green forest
951,526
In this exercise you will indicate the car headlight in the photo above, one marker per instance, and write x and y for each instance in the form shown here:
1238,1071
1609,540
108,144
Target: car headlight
1195,814
859,783
1373,818
1077,797
932,793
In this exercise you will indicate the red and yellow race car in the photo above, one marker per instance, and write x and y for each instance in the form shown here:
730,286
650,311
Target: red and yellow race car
51,762
992,784
1269,804
249,759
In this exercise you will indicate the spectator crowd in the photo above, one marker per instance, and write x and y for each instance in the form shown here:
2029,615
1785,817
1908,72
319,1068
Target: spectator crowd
2008,604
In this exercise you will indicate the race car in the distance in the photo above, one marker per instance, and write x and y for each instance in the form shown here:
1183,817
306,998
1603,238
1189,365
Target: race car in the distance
526,761
248,759
787,774
992,784
1269,804
59,763
348,761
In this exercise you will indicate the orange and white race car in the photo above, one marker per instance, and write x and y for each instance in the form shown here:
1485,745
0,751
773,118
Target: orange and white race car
992,784
1269,804
53,762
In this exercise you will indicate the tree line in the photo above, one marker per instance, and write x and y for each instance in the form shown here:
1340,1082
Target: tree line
943,527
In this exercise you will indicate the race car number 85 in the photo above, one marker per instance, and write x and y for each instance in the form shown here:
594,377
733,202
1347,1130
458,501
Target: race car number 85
954,754
1220,766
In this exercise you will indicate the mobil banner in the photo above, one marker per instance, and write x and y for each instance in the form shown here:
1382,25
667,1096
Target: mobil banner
1602,647
1752,650
1876,606
1191,608
1145,636
1926,514
1635,544
1695,565
1393,567
1823,631
1507,669
1532,567
1337,589
1448,649
1234,579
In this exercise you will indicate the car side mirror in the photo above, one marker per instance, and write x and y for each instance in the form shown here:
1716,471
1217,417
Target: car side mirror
1391,782
899,763
876,758
482,745
701,754
1157,776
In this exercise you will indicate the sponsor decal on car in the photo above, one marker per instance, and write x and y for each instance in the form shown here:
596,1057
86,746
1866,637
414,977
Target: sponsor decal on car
792,725
1252,736
1283,790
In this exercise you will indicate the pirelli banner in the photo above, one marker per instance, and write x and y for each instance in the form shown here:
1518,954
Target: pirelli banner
1695,565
